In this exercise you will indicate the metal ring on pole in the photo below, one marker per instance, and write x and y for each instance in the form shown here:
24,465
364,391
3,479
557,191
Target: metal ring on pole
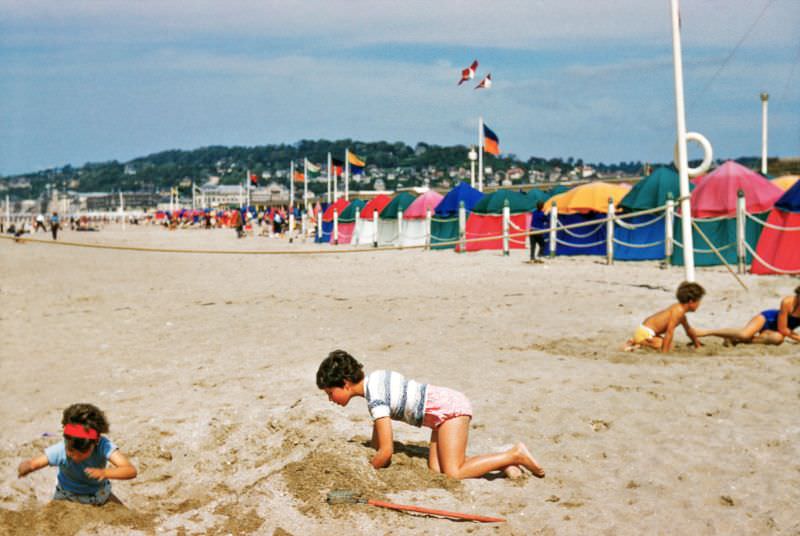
708,153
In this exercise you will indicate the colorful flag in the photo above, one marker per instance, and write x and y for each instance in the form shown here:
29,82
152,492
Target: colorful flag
313,170
254,179
337,166
356,164
468,73
298,176
486,83
491,143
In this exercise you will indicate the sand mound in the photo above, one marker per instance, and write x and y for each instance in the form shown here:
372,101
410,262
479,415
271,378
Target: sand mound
64,518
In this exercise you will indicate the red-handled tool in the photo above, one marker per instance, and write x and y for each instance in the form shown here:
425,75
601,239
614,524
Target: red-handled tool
351,497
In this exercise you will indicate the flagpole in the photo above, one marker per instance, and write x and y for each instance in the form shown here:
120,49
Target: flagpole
329,178
305,184
291,185
347,174
682,163
480,153
248,188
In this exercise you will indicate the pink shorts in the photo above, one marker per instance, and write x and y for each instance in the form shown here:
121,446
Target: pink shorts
442,404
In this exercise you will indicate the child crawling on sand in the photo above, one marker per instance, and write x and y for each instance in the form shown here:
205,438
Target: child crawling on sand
657,330
81,458
390,396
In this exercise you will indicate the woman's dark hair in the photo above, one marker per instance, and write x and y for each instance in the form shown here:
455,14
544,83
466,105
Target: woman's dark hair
88,415
797,292
338,367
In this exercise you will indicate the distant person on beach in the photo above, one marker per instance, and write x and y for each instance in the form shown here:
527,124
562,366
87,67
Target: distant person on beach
538,223
390,396
771,326
54,225
39,223
658,330
81,458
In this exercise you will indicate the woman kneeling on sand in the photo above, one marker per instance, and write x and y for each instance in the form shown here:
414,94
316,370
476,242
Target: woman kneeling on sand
770,326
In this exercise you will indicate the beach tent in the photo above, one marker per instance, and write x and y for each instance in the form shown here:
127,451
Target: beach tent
415,218
714,207
643,237
486,220
717,193
535,195
388,233
785,182
327,219
778,250
581,204
587,198
347,221
365,231
444,227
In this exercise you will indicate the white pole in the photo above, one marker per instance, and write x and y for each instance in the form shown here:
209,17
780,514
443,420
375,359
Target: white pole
480,154
462,227
472,157
668,231
374,228
335,188
248,181
329,177
347,175
428,228
291,226
305,184
319,226
354,238
683,163
610,232
122,209
193,196
291,187
553,232
506,220
171,204
740,231
8,211
241,196
335,227
764,101
399,227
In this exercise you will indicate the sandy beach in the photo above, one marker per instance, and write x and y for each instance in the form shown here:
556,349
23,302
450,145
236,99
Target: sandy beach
205,366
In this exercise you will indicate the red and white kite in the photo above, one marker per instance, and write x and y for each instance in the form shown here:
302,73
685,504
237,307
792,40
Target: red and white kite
486,83
468,73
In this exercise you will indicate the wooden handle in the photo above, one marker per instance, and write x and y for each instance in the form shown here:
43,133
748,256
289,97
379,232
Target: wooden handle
431,511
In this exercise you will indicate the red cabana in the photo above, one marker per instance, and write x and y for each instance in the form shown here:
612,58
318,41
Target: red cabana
339,206
716,195
780,248
377,203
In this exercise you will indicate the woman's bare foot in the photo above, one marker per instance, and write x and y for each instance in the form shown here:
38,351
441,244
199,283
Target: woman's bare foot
527,460
512,472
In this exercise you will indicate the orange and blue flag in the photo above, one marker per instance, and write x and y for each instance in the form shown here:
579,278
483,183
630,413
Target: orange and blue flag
491,143
356,164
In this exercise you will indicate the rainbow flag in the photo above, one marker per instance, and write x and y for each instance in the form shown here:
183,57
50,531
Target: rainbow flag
491,143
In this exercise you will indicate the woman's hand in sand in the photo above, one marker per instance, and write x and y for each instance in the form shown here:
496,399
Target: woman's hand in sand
97,474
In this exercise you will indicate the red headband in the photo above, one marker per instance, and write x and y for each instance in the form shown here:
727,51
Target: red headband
77,430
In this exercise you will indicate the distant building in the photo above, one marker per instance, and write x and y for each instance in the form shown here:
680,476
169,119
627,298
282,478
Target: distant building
109,202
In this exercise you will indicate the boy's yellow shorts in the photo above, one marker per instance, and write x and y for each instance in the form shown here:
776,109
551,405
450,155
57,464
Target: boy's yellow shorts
642,334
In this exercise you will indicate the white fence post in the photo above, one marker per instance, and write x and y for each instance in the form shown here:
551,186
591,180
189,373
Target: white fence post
740,231
428,229
610,232
462,227
553,232
354,238
399,227
374,228
304,225
668,229
335,227
319,226
506,220
291,226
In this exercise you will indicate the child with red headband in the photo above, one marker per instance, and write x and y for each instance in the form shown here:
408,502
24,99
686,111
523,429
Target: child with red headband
82,457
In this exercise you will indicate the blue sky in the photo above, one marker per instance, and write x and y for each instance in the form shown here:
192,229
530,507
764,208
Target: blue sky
95,80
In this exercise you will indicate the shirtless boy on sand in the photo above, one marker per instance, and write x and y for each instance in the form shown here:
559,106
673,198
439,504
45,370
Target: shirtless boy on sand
658,330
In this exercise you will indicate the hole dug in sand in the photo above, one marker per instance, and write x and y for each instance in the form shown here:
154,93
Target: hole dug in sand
63,518
338,465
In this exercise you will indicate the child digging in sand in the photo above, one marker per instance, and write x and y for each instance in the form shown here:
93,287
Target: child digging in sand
657,330
390,396
81,458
